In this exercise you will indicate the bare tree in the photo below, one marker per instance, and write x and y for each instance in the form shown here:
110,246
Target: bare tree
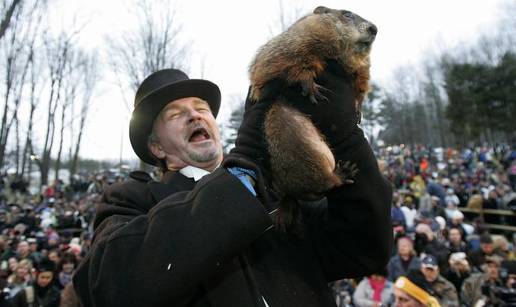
153,45
9,9
58,58
17,50
70,87
286,17
36,85
88,69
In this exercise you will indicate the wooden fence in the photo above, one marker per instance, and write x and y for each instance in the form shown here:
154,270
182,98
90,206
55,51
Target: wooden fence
481,213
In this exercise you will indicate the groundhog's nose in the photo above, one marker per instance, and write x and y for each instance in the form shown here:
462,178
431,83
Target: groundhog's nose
372,29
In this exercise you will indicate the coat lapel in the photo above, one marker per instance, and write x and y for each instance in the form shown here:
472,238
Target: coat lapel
171,183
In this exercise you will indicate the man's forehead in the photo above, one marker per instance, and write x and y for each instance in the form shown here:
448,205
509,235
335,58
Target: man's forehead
178,103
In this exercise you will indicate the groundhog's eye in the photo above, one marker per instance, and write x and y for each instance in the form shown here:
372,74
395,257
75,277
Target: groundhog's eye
348,14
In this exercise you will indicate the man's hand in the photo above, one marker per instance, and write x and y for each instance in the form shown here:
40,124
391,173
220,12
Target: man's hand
335,114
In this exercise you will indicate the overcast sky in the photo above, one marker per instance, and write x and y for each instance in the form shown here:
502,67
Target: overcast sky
224,36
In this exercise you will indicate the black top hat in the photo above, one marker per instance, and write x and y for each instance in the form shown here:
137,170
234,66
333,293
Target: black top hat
155,92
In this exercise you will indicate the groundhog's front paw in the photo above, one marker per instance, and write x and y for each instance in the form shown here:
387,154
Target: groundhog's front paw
312,90
346,171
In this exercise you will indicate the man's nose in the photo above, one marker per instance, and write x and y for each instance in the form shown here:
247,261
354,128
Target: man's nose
194,115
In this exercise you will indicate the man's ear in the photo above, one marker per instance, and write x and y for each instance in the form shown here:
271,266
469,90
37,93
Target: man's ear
156,150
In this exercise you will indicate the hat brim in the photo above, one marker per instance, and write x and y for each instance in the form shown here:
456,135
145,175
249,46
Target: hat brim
147,110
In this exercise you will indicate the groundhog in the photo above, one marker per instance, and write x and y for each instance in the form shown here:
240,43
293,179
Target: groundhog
302,164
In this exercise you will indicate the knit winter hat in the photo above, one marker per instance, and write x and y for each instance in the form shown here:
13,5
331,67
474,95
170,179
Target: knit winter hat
405,285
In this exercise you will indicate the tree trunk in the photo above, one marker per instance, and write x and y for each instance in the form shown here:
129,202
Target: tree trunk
61,138
4,25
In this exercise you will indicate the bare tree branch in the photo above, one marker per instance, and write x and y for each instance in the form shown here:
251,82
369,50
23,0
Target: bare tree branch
6,19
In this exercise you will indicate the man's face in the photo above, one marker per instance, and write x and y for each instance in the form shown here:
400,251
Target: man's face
431,273
455,236
487,248
44,278
404,247
492,271
187,134
23,248
402,299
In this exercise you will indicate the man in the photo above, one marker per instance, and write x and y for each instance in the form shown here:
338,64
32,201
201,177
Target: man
404,261
455,244
23,251
459,269
426,242
478,287
445,291
413,291
478,257
187,241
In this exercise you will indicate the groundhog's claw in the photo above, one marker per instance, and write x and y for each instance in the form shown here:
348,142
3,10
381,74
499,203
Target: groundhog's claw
347,171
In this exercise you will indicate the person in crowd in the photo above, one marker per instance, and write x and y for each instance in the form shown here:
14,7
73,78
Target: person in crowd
404,260
434,188
477,289
21,277
373,291
66,268
413,291
427,243
343,290
54,255
12,264
409,211
34,249
459,270
418,186
397,216
222,246
42,292
501,248
4,294
445,291
455,242
509,266
457,220
451,201
425,203
23,252
478,257
492,202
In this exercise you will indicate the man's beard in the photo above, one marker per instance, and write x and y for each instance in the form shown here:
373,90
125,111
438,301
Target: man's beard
202,157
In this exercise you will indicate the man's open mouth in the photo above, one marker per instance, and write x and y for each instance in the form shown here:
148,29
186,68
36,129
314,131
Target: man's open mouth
199,135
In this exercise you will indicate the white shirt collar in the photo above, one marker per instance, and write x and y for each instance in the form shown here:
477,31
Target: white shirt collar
193,172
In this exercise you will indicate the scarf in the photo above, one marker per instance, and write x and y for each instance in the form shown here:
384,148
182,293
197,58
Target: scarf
377,286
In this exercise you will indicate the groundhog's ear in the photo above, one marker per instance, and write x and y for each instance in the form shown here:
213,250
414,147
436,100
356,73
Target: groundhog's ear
321,10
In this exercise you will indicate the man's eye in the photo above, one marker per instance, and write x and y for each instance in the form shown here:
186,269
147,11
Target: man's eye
204,110
174,115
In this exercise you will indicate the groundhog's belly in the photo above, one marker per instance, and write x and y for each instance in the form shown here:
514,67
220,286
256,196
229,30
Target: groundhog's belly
302,164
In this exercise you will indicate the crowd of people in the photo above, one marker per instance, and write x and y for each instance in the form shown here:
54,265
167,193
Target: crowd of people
449,254
457,257
43,237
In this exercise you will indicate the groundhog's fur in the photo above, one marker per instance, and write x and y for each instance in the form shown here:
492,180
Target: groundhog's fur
298,55
302,164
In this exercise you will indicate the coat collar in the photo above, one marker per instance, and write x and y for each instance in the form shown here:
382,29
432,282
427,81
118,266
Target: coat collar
172,182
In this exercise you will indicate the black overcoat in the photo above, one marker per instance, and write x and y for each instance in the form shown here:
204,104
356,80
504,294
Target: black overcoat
176,243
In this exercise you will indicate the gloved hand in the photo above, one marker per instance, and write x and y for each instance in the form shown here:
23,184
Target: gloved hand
335,114
250,151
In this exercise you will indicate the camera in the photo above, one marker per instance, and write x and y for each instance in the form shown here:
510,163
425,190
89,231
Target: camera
499,295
